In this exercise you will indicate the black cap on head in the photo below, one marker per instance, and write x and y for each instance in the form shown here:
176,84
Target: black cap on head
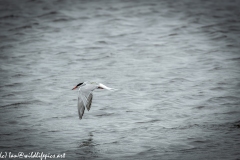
79,84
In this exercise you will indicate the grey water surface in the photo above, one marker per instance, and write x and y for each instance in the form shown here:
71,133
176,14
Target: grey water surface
175,65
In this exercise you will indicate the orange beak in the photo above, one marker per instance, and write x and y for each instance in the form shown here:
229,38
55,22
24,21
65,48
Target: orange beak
75,87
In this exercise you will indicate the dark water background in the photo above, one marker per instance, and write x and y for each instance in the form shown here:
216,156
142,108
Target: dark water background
175,63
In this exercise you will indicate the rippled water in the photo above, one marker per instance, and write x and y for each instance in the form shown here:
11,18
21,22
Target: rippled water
176,65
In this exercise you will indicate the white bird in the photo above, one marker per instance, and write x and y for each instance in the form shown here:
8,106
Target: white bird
85,95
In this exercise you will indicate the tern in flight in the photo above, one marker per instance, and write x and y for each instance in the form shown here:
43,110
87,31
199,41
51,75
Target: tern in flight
85,95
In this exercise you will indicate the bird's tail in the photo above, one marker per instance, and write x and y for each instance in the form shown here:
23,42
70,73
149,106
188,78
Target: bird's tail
105,87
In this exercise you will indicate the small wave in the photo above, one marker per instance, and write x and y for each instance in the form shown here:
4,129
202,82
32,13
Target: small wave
118,35
18,75
49,13
200,107
199,141
11,16
226,98
23,116
212,25
64,116
6,46
236,124
16,105
61,20
54,131
93,48
103,15
151,121
12,122
21,28
102,42
8,95
104,114
173,34
231,112
217,88
83,18
224,126
11,85
219,38
92,59
216,68
5,147
235,59
179,80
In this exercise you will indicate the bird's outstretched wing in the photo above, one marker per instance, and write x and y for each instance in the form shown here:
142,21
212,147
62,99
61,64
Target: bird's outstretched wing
85,98
81,108
89,101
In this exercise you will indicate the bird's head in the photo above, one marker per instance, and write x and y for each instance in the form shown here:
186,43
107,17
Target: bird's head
77,86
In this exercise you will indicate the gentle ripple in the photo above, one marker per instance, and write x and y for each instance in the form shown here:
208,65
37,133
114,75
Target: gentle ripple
176,65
